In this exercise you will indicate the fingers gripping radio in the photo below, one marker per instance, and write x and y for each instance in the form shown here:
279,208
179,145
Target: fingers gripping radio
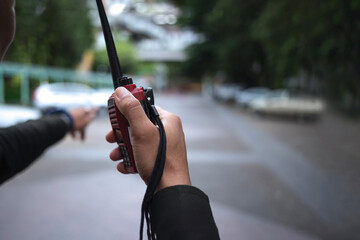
118,122
121,127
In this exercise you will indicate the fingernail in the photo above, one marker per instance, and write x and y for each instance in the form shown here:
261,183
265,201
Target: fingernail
121,92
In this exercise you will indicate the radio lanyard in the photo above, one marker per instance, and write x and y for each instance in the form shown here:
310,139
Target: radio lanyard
155,176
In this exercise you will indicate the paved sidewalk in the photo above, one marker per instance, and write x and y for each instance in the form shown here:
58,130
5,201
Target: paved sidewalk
266,179
104,205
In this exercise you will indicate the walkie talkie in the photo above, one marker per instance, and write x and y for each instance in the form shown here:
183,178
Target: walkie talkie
119,123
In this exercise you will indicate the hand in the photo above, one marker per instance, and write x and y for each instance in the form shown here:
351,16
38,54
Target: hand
81,118
145,142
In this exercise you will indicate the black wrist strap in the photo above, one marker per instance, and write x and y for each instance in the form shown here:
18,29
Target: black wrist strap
64,114
155,176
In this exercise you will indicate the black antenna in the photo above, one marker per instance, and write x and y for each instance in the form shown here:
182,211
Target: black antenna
118,78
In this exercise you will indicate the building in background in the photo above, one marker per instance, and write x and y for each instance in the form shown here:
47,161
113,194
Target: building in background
151,26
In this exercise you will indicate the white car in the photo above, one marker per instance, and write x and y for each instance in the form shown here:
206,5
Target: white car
226,92
246,96
13,114
63,95
282,103
100,98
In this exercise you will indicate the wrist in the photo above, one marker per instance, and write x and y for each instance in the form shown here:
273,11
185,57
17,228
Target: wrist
64,115
169,180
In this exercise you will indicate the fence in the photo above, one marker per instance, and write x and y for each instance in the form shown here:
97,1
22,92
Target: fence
42,74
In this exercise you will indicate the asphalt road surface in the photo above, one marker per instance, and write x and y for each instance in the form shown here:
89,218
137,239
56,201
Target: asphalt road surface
266,178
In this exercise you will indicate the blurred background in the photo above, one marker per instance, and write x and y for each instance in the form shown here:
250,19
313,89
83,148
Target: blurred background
269,96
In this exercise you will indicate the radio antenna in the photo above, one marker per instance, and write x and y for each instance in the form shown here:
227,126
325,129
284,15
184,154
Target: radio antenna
118,78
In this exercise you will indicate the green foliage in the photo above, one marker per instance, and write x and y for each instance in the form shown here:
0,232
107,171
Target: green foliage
227,47
127,57
51,32
130,64
321,38
12,85
267,42
145,68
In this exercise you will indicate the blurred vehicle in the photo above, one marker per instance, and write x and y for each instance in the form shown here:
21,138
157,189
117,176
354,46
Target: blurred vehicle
278,93
12,114
63,95
246,96
283,103
100,97
226,92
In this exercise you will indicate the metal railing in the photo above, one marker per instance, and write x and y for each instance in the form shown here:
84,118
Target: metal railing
43,74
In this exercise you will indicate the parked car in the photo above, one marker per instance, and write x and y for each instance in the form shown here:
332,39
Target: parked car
13,114
246,96
272,94
64,95
283,103
100,97
226,92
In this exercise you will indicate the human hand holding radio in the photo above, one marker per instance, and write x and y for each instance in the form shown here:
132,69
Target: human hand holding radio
140,132
145,142
139,129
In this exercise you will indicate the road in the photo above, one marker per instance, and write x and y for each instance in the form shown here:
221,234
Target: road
266,179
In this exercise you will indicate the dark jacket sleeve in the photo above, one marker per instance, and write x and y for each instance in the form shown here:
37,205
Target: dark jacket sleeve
182,212
21,144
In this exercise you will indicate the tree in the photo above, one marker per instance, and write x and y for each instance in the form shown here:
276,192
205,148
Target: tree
320,38
262,42
127,57
51,32
228,46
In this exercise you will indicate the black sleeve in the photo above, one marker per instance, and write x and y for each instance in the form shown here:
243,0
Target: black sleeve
182,212
21,144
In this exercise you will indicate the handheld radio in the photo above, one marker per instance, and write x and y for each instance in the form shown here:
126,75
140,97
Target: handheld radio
119,123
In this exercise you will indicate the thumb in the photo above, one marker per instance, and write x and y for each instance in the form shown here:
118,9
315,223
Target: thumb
131,108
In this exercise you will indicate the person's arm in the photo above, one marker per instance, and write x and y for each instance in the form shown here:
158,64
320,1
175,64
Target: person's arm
178,210
22,144
182,212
